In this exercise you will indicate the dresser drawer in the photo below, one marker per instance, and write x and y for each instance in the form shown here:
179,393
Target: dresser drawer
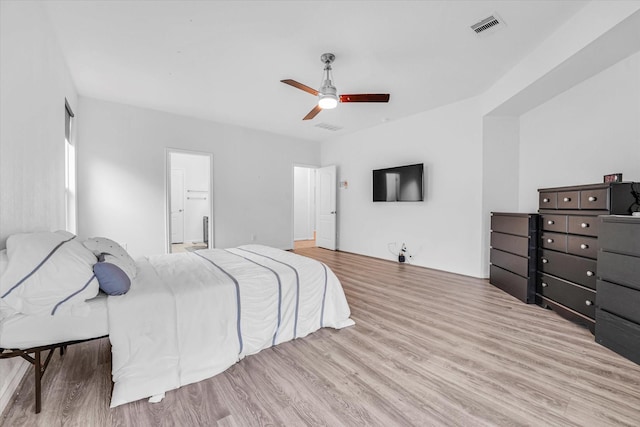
618,334
585,225
510,243
618,268
568,294
594,199
511,224
557,223
518,286
548,200
568,199
582,246
508,261
620,234
554,241
569,267
619,300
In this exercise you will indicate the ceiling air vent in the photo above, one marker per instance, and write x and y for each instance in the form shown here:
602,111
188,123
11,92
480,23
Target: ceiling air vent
327,126
488,25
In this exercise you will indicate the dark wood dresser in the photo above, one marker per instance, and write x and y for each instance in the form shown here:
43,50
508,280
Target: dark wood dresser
618,303
567,266
514,238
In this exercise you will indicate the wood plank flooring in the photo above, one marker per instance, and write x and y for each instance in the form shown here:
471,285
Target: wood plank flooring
428,349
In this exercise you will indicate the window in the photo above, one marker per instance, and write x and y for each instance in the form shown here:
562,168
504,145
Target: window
70,171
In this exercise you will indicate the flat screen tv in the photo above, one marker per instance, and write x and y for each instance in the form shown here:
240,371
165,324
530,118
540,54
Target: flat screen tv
399,184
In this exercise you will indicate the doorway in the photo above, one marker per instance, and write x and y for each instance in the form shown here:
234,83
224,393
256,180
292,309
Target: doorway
189,201
304,207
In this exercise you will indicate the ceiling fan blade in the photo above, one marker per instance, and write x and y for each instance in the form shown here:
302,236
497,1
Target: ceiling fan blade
312,113
365,97
300,86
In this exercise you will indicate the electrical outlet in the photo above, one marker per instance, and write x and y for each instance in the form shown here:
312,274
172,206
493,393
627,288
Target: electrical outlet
253,237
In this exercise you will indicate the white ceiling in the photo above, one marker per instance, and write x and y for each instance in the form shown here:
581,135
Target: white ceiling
223,60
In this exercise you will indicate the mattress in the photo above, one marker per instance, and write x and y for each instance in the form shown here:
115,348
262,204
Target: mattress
23,331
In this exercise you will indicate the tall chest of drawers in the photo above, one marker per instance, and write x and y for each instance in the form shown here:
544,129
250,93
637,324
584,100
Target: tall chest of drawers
567,266
514,240
618,304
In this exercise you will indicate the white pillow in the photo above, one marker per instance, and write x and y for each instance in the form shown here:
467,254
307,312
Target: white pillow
48,273
4,261
102,245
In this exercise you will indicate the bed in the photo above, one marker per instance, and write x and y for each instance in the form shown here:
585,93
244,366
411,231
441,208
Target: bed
171,319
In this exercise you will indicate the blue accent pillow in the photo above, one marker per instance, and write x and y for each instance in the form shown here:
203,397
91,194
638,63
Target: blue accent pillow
111,278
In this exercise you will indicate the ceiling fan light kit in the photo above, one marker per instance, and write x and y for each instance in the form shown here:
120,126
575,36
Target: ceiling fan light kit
328,97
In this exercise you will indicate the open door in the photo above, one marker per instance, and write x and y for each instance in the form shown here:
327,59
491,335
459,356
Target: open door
326,205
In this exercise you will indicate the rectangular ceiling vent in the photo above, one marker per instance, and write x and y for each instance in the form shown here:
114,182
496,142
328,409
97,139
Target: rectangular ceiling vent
327,126
488,25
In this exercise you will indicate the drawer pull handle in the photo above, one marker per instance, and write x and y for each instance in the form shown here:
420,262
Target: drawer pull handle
544,260
592,198
584,225
549,240
584,246
545,200
587,302
544,285
567,199
551,222
590,273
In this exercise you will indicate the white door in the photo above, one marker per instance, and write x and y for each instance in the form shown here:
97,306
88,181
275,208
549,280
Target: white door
177,206
326,205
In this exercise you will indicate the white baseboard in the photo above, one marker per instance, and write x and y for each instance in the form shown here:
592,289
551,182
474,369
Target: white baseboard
13,370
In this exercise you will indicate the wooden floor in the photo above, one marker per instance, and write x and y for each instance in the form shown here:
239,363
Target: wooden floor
428,349
304,244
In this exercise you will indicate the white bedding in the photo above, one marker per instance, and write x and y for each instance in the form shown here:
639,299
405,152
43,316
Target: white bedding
28,331
190,316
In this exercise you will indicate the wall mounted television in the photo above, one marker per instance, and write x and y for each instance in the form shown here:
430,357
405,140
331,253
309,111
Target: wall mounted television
399,184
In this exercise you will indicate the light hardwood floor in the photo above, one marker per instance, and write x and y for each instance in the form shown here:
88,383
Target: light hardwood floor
304,244
429,348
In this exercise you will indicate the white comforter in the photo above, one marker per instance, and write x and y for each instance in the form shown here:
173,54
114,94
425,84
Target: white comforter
190,316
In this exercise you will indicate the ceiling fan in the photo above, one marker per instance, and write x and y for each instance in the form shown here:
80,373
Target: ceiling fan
328,95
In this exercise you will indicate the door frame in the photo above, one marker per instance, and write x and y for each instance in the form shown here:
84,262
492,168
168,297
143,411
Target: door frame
167,194
293,194
171,172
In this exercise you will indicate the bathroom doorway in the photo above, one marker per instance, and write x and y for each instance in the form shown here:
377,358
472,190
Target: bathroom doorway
189,201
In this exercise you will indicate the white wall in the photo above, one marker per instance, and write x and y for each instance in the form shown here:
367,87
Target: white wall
444,231
591,130
304,206
34,82
121,176
196,192
500,172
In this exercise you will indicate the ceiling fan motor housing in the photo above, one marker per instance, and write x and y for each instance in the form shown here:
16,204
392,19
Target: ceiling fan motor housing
327,96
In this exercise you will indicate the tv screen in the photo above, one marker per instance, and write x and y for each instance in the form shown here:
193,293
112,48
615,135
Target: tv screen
399,184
